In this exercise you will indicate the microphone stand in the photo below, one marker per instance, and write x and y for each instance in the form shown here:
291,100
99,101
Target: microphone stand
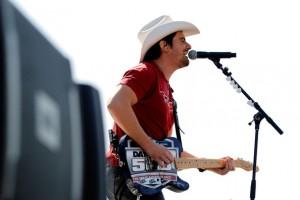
260,115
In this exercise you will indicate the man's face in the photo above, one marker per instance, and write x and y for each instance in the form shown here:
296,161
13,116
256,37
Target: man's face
179,50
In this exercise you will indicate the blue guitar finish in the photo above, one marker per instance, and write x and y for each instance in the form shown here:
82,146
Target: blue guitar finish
146,175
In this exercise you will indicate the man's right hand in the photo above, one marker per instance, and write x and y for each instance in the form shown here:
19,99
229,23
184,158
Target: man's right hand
160,154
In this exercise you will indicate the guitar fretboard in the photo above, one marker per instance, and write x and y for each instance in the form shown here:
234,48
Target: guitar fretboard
185,163
203,163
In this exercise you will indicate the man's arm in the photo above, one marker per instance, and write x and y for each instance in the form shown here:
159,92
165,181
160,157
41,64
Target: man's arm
120,108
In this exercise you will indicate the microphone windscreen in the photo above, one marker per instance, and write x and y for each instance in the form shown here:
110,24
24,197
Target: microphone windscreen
192,54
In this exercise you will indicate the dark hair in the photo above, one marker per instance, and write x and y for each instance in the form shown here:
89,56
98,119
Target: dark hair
155,51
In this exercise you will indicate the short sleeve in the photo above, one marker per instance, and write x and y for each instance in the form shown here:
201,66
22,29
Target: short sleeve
140,79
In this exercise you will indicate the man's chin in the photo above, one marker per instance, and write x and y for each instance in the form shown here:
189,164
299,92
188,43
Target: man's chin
186,62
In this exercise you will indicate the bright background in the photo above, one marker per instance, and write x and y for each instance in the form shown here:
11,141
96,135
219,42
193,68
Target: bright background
99,37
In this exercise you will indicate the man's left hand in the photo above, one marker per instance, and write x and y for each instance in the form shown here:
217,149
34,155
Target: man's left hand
228,166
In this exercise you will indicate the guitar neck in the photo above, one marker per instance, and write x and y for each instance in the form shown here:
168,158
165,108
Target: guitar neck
186,163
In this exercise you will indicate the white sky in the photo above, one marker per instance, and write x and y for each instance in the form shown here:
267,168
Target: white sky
99,37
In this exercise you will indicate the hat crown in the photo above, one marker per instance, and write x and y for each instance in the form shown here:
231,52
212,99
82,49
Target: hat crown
164,19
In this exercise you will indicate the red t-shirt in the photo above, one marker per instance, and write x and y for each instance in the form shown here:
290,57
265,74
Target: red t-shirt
154,108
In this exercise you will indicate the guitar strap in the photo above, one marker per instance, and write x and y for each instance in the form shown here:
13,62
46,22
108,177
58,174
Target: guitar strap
176,121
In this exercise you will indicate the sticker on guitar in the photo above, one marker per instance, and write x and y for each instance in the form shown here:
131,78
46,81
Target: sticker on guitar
145,173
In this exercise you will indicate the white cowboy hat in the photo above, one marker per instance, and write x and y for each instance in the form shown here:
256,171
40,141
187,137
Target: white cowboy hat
160,28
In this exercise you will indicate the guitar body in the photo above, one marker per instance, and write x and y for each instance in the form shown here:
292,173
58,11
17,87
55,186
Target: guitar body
147,177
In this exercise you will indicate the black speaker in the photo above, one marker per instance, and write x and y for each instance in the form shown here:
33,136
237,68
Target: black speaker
41,139
2,95
93,144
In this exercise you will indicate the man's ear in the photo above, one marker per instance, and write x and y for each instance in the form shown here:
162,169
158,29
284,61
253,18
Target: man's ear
163,45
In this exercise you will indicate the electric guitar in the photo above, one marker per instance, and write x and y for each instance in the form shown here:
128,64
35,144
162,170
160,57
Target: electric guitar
149,178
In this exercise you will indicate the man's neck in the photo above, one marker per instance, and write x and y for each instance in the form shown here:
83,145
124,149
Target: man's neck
165,68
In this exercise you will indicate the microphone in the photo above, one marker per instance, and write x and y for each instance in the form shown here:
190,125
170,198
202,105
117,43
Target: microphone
202,54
